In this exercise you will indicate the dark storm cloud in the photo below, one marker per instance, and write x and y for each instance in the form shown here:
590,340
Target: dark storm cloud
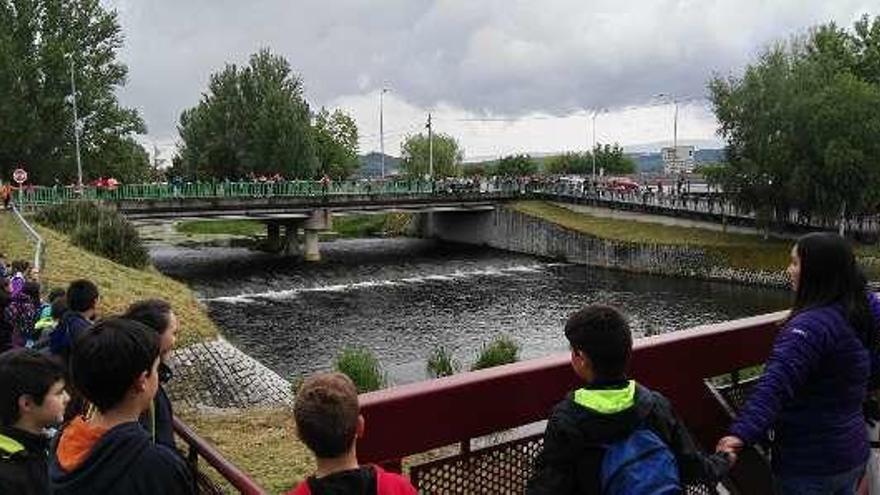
495,56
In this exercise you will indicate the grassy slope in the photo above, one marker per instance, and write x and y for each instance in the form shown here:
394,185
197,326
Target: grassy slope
260,441
119,285
734,250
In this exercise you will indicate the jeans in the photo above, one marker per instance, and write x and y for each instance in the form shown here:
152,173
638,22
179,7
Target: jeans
844,483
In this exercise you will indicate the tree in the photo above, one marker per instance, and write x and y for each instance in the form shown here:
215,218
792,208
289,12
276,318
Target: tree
611,159
251,120
802,125
517,166
39,42
569,163
446,151
336,143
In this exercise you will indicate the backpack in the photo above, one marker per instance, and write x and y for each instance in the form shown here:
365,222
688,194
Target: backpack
641,463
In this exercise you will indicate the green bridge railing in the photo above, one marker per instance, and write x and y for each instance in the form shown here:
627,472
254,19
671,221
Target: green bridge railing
38,196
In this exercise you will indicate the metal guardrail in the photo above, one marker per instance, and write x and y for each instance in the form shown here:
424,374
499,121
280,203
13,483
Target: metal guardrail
200,448
34,237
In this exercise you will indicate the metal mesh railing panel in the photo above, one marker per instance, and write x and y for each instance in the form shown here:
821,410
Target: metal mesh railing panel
501,469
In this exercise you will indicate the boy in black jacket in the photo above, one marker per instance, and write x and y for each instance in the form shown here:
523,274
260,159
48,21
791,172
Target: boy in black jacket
32,398
606,410
114,364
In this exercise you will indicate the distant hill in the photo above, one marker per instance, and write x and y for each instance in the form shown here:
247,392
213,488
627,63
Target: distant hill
652,162
371,165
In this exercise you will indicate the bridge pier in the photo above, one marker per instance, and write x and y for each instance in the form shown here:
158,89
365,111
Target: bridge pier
273,237
291,239
319,219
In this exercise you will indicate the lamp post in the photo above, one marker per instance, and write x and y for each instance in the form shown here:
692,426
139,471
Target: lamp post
382,127
77,129
593,150
674,100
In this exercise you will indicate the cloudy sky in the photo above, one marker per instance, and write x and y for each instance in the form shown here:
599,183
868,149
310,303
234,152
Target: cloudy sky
502,76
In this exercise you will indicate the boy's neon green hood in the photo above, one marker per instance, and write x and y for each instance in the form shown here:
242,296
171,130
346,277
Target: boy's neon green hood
610,401
9,446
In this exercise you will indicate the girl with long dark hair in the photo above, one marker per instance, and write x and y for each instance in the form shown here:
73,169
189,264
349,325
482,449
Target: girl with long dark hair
816,379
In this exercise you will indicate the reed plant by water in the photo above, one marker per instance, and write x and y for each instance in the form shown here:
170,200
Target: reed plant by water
441,363
500,351
362,367
98,229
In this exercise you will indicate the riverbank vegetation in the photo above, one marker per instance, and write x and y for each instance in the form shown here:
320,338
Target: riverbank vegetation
500,351
349,226
119,285
362,367
98,229
742,251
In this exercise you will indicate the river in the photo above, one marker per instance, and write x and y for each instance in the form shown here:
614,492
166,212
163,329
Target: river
402,298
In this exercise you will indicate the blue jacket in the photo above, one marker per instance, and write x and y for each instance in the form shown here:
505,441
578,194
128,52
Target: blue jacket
811,395
70,327
124,460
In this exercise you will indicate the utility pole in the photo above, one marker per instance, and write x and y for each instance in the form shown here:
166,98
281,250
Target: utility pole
77,130
382,127
430,148
593,150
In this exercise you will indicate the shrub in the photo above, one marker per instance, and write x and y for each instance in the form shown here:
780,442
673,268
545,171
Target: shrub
362,367
441,363
98,229
501,351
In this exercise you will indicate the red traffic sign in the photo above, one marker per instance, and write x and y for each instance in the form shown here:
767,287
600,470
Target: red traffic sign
19,175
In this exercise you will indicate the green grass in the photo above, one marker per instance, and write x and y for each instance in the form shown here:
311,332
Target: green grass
119,285
362,367
500,351
441,363
227,227
262,442
345,226
733,250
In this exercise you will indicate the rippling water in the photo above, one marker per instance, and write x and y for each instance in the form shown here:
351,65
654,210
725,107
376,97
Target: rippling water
401,298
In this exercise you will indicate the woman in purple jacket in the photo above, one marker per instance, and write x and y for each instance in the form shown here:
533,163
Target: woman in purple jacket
816,379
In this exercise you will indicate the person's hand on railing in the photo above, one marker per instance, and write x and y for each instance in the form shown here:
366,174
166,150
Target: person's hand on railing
730,445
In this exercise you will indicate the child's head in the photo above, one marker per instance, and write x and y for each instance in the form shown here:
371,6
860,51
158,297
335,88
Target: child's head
82,295
32,289
31,389
56,293
601,343
20,266
326,414
156,314
114,362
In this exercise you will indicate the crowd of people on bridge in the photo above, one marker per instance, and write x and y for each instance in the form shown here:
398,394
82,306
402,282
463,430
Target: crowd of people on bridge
83,408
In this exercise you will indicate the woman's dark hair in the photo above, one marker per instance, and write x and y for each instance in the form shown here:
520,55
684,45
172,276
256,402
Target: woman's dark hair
830,275
154,313
32,289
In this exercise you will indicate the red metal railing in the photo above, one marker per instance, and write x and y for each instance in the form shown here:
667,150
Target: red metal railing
415,418
199,448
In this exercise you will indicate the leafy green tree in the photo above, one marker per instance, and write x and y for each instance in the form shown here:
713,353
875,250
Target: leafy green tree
39,42
517,166
446,151
612,160
336,143
570,162
802,124
251,120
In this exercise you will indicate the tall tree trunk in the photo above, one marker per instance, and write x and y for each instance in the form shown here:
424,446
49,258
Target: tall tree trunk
841,229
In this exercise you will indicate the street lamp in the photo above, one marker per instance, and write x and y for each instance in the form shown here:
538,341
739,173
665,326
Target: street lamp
382,126
593,152
77,128
674,100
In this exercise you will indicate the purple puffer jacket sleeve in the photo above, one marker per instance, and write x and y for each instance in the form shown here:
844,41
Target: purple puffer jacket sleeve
795,355
874,302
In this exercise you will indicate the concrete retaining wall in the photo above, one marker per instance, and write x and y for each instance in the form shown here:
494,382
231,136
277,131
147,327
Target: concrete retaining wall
217,374
511,230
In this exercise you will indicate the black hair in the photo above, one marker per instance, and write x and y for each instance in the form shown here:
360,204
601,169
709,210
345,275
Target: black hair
57,292
109,357
602,333
24,372
59,307
81,295
20,266
154,313
32,289
829,275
